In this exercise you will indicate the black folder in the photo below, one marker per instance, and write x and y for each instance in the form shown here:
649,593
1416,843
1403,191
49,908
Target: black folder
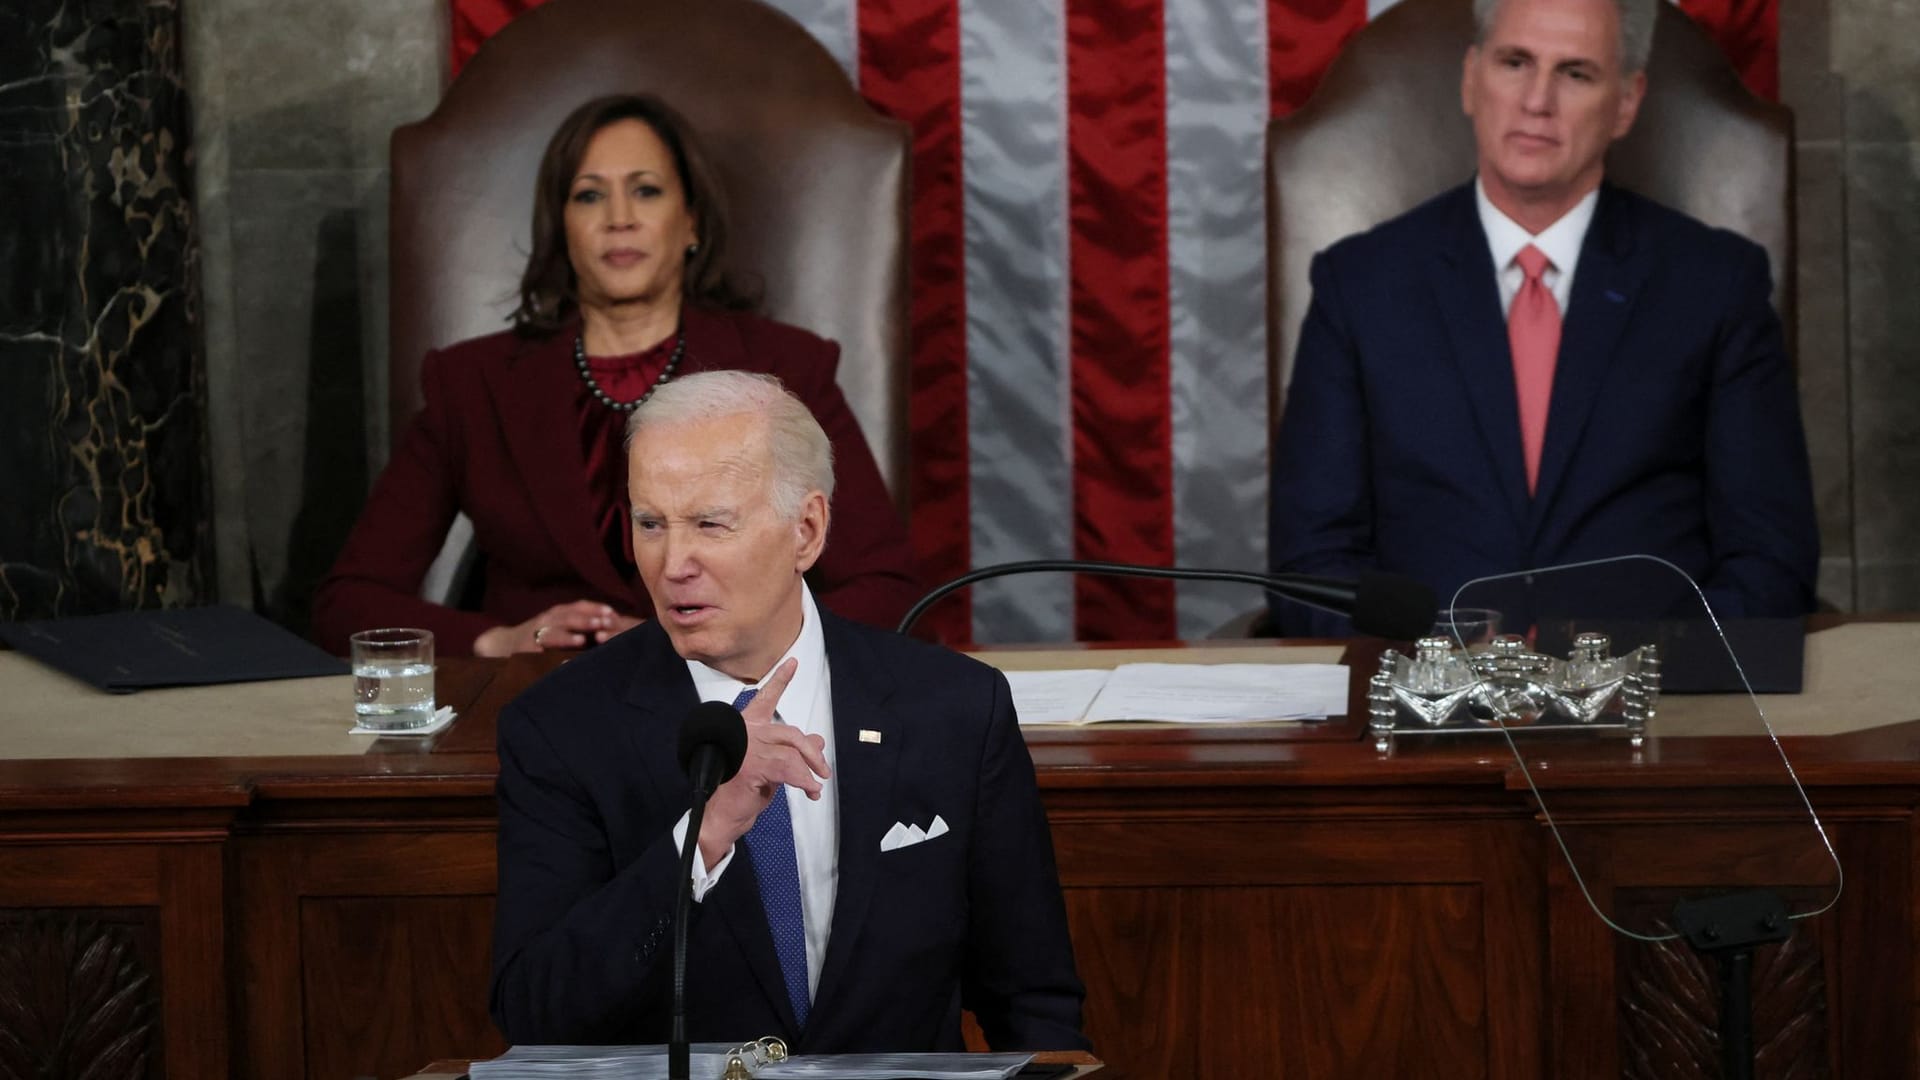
137,650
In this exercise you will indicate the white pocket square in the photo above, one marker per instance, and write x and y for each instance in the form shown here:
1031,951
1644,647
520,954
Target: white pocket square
904,835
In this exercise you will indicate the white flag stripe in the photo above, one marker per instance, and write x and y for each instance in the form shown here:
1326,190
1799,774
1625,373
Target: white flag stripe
835,24
1013,156
1217,114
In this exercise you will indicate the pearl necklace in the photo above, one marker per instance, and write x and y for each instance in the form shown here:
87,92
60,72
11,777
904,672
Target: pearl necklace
593,384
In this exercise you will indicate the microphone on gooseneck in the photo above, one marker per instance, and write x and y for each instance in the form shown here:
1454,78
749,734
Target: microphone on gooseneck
1391,606
713,741
1380,604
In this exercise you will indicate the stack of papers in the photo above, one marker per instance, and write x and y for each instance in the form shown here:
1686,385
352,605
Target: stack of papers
709,1061
1182,693
894,1066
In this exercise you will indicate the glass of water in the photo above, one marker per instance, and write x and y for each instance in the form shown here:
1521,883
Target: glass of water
393,678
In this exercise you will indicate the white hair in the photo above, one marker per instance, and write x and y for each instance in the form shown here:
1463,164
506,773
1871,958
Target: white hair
802,454
1636,29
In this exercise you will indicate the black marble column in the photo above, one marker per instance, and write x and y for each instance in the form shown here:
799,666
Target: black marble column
104,490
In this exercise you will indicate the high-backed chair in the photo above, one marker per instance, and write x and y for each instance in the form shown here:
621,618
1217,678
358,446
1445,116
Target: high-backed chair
817,183
1384,133
816,180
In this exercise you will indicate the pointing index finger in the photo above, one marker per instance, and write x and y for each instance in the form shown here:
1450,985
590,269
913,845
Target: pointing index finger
761,708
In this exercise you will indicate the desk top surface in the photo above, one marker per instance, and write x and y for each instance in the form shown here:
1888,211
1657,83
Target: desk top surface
1858,722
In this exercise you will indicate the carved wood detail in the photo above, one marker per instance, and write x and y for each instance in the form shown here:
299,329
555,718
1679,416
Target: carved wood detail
1669,1004
78,996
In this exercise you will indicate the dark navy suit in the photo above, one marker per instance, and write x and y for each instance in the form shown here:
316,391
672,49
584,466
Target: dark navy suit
590,790
1674,428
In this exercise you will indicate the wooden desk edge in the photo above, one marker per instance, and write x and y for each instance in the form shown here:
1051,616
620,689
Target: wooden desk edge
1086,1065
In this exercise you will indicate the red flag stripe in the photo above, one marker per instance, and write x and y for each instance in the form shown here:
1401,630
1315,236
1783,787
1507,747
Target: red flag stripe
474,21
1748,31
1303,37
910,69
1118,317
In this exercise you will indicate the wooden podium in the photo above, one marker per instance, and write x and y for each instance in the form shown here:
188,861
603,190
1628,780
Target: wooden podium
1239,898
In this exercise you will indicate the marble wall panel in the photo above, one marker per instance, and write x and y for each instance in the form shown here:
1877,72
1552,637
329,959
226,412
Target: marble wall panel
103,453
1817,96
1808,84
1876,45
1821,355
299,319
298,105
1883,230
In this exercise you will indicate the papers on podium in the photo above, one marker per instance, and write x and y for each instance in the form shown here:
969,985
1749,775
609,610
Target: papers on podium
894,1066
1182,693
709,1060
706,1062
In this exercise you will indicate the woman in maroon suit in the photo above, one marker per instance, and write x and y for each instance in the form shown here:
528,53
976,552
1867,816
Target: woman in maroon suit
522,430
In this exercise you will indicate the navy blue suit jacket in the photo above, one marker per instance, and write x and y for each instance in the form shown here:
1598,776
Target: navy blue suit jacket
1674,427
589,792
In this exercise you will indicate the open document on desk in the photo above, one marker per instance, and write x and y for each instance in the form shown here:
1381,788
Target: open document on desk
1182,693
708,1061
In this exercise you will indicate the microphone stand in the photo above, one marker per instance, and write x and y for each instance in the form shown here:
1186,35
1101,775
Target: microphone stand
1273,582
679,1055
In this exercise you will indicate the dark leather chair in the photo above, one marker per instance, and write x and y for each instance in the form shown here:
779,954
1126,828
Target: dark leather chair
816,179
1384,133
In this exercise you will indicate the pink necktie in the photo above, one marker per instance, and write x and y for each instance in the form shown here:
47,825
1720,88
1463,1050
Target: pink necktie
1533,332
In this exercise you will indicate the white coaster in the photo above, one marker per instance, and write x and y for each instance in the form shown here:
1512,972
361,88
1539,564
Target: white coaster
442,717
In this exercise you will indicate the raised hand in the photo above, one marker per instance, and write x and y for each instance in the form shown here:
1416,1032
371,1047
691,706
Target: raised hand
778,756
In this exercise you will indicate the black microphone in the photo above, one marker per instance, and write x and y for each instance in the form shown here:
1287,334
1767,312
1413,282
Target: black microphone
1380,604
713,741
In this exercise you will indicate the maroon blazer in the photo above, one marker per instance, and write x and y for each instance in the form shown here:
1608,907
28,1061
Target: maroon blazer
499,439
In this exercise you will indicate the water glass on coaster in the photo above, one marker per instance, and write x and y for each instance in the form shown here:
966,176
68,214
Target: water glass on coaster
393,679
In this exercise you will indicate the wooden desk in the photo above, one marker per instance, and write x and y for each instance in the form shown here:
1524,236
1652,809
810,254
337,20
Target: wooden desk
1239,899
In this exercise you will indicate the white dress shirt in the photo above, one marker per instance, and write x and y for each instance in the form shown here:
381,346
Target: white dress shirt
1559,242
808,705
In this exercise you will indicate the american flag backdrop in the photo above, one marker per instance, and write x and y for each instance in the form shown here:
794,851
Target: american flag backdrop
1089,279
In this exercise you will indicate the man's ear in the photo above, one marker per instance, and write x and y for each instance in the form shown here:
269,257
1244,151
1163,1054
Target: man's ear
810,531
1630,99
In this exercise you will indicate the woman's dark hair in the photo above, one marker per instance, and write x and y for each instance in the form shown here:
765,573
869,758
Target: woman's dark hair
548,291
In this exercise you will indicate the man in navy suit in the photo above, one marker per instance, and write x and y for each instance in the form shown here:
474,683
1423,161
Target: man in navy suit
880,862
1446,421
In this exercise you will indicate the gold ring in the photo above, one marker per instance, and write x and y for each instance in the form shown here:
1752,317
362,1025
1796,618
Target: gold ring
538,633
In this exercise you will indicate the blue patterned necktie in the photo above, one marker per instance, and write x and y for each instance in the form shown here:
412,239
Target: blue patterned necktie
770,842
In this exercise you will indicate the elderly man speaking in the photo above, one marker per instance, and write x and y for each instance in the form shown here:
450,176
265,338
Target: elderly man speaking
880,862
